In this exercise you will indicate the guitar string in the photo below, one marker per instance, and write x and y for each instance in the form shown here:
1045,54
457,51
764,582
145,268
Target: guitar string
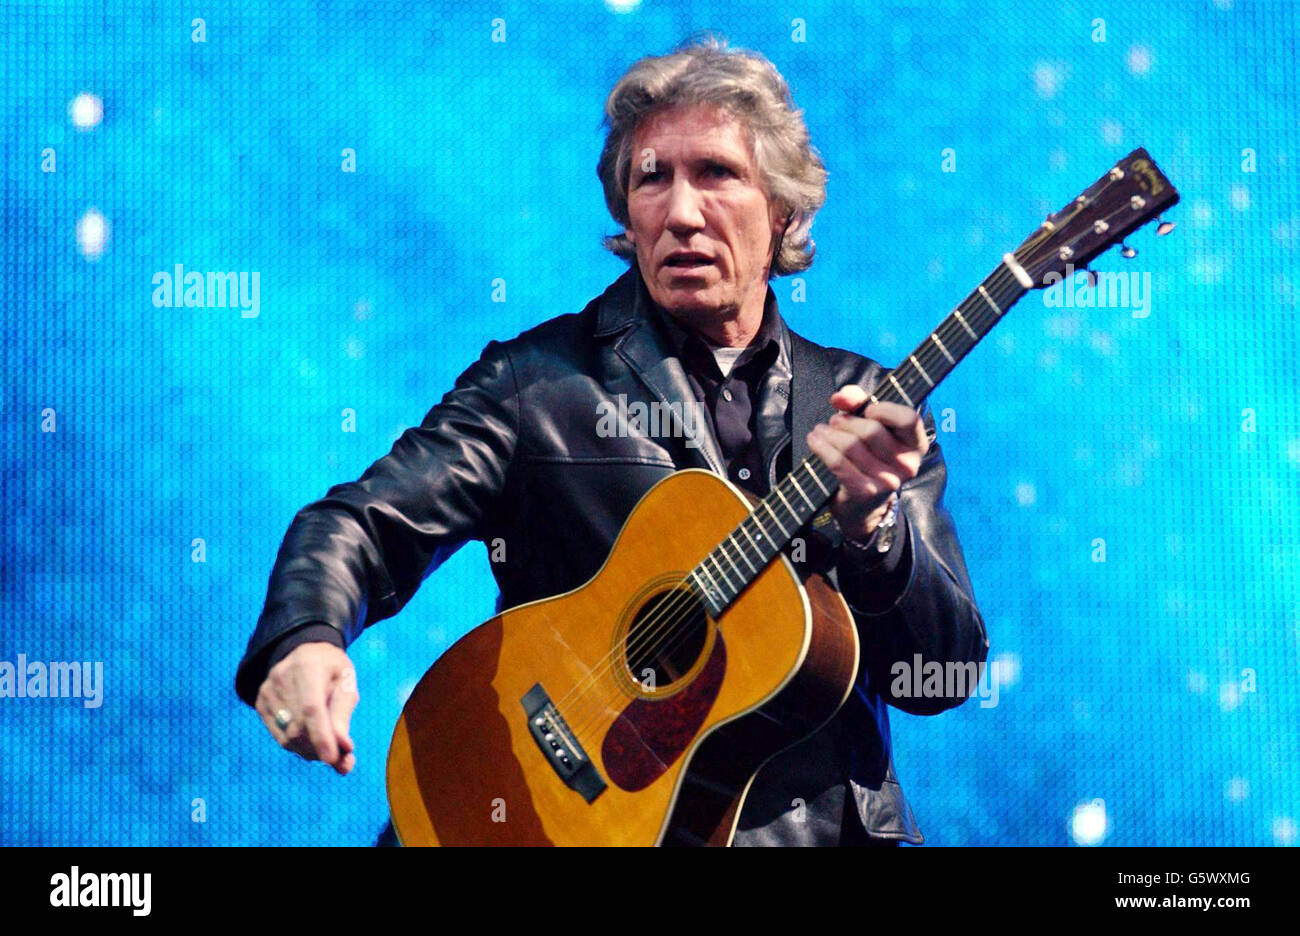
662,623
667,614
673,602
663,619
997,280
1030,246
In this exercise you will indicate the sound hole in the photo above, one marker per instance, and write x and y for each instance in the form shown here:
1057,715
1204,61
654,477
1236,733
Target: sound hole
666,638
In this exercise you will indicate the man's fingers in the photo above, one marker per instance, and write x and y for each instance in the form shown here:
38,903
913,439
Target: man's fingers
320,732
342,702
904,423
848,398
306,702
310,733
859,469
267,706
873,438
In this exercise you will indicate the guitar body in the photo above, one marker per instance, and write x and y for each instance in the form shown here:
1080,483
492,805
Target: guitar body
589,719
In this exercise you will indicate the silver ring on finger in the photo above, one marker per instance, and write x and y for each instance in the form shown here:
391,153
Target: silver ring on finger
282,718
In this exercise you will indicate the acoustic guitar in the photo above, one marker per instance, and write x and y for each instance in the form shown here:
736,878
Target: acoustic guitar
637,708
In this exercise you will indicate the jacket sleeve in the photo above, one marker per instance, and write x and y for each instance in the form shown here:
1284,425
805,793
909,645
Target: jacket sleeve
925,607
357,555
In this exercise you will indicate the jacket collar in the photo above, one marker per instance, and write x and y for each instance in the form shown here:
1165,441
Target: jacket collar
626,310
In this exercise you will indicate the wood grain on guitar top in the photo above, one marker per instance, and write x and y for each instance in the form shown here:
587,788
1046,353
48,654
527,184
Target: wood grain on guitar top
465,769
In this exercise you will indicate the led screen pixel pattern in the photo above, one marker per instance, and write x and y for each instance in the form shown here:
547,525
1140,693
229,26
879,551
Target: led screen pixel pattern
154,455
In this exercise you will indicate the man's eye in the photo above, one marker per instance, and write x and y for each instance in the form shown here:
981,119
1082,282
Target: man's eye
719,169
651,176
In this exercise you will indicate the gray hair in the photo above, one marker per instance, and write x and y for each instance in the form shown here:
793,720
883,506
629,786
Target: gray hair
749,88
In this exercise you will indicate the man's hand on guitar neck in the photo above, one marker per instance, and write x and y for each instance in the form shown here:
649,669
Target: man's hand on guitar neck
307,700
871,456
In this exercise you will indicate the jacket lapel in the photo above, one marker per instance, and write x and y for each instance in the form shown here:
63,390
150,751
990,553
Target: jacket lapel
811,385
773,409
623,308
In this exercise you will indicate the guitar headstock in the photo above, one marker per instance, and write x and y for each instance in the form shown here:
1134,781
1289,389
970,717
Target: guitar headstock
1123,200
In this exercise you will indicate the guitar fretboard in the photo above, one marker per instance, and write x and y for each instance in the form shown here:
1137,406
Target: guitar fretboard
773,523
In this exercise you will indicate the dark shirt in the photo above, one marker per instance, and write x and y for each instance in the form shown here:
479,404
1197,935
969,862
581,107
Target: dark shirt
730,401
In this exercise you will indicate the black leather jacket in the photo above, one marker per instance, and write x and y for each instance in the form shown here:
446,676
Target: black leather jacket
510,454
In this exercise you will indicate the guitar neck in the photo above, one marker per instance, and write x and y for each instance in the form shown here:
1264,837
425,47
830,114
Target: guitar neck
773,522
1128,196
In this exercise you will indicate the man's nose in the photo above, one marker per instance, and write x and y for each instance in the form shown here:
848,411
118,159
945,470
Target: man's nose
684,207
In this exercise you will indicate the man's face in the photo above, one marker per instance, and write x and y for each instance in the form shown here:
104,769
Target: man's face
698,190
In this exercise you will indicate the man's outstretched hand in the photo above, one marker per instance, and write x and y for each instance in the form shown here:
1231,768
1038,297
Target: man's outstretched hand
316,686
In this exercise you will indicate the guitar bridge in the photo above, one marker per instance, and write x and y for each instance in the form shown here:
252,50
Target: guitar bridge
559,744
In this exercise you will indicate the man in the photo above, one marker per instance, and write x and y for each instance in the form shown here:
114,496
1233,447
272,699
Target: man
708,168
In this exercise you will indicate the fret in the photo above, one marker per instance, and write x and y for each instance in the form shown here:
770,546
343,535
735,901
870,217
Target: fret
805,497
935,339
895,382
969,331
917,363
757,548
753,570
713,585
817,479
718,565
784,531
707,593
793,514
989,299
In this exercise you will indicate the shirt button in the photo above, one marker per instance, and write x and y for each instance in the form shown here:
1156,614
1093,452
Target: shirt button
726,394
743,473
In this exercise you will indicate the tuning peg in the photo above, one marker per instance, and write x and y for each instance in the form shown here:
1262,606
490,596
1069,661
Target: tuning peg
1127,252
1164,227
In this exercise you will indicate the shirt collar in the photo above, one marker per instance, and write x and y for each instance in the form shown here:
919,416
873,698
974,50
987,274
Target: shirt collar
694,352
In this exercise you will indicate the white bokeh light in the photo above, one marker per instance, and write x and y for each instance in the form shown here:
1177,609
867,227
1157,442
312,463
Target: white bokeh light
1236,789
1088,823
1139,60
86,111
1006,669
1047,79
92,234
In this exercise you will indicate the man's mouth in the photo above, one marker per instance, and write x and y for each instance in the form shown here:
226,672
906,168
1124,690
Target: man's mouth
688,261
